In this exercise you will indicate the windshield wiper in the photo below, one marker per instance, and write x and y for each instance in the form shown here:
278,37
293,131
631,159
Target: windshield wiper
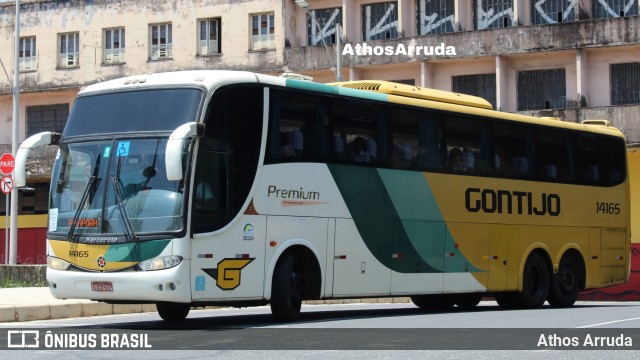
92,184
126,220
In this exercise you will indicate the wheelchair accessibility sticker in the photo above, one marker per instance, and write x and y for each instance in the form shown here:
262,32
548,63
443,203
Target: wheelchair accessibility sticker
123,148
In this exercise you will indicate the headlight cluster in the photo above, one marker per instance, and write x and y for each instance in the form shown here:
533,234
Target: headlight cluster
159,263
57,264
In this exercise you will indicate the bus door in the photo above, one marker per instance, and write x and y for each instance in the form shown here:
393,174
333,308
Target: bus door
227,264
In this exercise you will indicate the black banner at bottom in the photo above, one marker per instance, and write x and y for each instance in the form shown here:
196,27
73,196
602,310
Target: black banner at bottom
321,339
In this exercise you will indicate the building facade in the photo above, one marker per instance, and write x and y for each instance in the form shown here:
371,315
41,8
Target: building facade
573,59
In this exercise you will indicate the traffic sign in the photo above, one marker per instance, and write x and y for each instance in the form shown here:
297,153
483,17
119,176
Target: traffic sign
7,163
6,184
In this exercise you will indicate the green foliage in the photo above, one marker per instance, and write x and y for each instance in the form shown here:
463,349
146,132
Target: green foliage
10,283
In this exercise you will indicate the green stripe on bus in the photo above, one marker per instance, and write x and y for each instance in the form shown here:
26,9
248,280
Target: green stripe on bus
422,220
334,90
377,220
135,252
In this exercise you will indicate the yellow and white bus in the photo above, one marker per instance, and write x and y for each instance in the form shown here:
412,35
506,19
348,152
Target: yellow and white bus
217,187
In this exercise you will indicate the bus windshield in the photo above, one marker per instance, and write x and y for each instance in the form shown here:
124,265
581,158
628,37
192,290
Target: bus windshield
114,187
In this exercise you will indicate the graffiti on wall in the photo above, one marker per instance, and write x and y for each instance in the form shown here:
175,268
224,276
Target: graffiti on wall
436,16
491,14
553,11
380,21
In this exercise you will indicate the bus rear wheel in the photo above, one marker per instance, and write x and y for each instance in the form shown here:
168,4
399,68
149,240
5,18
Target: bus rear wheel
535,282
287,289
170,311
437,301
565,283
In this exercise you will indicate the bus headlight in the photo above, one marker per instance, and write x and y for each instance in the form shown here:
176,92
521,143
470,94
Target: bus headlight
159,263
57,263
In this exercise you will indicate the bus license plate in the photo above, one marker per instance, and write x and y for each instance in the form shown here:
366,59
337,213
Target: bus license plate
101,286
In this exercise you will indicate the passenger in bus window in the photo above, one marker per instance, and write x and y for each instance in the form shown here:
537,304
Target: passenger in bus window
455,161
358,150
286,150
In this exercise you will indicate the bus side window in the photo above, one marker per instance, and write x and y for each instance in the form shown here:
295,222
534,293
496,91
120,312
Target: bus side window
513,151
298,128
355,131
611,162
589,172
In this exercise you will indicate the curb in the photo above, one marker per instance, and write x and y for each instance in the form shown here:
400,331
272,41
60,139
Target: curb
11,313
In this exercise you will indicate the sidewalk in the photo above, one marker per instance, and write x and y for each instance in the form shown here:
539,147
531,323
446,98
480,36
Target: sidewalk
37,303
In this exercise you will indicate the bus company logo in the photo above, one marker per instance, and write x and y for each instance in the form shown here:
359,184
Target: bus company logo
227,274
102,262
249,233
509,202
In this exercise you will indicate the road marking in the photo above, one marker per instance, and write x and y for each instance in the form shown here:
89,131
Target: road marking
608,322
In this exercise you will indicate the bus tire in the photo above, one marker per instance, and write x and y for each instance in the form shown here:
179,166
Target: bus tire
468,301
535,282
507,300
170,311
437,301
565,283
287,288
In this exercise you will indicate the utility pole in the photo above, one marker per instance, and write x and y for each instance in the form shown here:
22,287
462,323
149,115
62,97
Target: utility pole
305,6
13,243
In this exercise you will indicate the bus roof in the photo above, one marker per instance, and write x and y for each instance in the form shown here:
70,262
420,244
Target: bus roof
392,88
383,91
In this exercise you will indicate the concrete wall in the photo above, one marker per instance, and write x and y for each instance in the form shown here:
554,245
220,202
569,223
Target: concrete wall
29,274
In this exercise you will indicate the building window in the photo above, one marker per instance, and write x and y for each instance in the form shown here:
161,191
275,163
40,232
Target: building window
542,89
114,46
552,11
262,31
209,39
322,25
69,50
161,41
435,16
27,55
492,14
614,8
380,21
625,83
46,118
482,85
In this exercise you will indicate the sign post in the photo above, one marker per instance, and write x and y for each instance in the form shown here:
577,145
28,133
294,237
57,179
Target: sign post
7,164
6,185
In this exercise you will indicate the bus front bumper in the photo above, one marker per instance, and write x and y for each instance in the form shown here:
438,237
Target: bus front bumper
170,285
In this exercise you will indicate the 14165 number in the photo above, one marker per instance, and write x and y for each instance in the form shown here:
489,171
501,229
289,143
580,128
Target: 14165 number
607,208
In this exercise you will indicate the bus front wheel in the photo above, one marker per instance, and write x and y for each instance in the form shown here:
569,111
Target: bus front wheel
287,289
565,283
436,301
468,301
170,311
